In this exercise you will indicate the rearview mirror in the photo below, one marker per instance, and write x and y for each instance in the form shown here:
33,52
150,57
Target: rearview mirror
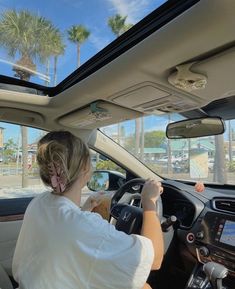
197,127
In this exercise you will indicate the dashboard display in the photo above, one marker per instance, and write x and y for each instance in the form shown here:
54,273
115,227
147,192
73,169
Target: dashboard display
228,233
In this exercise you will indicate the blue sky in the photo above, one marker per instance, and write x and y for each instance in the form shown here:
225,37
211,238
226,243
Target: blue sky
93,14
12,131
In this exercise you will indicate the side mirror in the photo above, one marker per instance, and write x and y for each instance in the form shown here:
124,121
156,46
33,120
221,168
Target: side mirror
197,127
104,180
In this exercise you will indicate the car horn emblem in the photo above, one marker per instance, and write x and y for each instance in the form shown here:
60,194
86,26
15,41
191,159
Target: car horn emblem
126,216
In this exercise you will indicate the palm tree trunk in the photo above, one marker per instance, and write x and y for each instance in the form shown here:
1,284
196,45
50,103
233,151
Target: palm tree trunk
220,174
137,136
189,153
24,138
78,54
142,140
55,70
47,72
230,140
118,133
24,133
169,164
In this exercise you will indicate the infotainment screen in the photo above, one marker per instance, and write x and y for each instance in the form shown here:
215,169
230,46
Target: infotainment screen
228,234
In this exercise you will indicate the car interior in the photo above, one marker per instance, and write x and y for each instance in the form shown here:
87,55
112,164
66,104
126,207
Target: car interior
177,63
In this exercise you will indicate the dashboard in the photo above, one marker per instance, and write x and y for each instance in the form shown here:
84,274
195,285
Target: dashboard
213,239
206,223
176,204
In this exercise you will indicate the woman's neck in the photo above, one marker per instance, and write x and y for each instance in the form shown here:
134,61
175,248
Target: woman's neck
74,193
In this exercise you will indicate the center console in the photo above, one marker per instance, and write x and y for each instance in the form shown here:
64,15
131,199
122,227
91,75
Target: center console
212,240
215,240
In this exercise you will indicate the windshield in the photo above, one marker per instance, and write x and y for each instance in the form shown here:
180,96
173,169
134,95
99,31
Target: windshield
45,41
207,159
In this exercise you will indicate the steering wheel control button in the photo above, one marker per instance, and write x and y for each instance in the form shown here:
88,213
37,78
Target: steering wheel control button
203,251
200,235
190,238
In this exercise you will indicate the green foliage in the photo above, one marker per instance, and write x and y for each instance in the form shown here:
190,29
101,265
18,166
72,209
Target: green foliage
118,25
109,165
9,150
30,36
78,34
52,44
129,144
154,138
231,166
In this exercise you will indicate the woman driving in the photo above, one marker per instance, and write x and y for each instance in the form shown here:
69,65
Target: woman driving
64,246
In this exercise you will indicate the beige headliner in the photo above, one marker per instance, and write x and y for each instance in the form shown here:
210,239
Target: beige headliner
206,28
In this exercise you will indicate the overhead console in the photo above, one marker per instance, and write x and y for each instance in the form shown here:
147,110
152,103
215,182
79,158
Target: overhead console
187,86
150,97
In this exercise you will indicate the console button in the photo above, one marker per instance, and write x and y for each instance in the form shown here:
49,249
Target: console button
190,238
203,251
200,235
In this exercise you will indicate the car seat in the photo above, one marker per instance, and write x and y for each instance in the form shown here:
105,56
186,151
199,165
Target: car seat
5,282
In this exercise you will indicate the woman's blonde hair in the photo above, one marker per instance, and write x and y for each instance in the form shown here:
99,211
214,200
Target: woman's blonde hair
64,152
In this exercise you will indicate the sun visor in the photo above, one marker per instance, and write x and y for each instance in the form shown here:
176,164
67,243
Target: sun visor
98,114
20,116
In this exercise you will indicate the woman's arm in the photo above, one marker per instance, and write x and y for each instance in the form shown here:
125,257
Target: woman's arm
146,286
151,227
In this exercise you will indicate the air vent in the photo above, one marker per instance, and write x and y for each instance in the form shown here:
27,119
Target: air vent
224,205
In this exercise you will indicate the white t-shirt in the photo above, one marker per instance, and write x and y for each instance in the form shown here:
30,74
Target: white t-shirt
62,247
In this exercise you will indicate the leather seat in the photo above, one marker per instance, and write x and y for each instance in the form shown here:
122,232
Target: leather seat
5,282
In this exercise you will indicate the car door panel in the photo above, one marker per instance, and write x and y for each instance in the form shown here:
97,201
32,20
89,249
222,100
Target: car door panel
8,237
11,218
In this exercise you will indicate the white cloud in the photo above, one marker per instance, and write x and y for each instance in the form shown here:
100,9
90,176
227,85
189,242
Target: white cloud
98,41
133,9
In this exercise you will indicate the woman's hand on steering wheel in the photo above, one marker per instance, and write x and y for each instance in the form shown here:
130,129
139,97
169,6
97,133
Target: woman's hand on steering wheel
129,217
151,192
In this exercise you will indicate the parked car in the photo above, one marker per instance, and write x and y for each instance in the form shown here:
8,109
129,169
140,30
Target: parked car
177,63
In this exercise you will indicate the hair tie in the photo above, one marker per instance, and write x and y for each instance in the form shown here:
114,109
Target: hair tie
56,179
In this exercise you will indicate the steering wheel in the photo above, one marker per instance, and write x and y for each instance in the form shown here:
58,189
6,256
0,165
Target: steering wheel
128,216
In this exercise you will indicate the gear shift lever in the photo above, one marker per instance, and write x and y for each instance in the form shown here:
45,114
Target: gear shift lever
215,273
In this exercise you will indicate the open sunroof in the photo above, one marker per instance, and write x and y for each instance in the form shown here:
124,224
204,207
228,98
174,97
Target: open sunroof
50,45
45,41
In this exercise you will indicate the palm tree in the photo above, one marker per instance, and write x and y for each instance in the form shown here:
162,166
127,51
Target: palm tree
230,142
52,45
58,49
220,174
118,24
78,34
22,34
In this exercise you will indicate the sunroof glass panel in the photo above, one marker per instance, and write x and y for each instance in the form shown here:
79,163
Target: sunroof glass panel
45,41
